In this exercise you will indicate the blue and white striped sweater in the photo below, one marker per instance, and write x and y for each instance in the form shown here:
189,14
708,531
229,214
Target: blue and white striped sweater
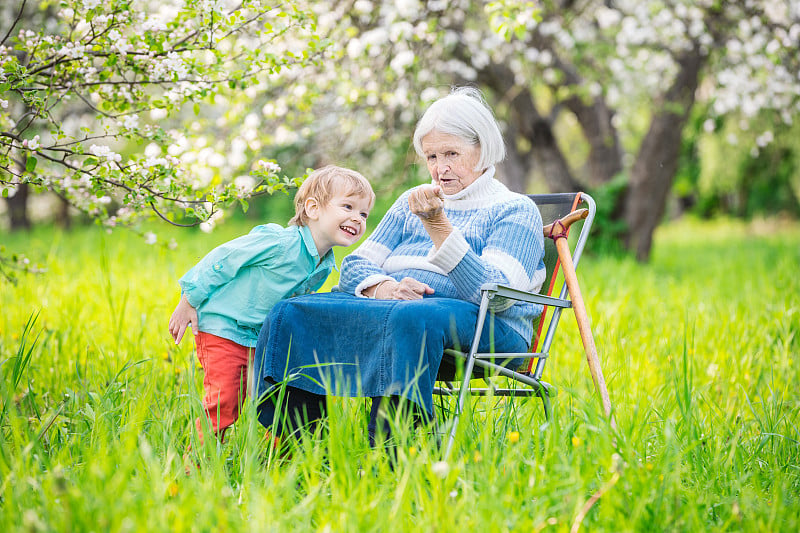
497,238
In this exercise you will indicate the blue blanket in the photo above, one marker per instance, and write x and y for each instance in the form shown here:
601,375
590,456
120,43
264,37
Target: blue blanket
339,344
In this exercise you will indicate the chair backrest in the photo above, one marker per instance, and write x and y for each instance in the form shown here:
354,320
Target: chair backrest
554,207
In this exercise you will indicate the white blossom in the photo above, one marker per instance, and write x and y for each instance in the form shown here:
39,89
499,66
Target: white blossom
244,184
407,8
429,94
104,151
764,139
440,469
268,166
401,61
154,161
169,67
153,24
362,6
31,144
150,238
72,50
152,150
130,122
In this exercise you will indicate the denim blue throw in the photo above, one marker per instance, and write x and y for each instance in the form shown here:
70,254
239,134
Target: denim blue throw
340,344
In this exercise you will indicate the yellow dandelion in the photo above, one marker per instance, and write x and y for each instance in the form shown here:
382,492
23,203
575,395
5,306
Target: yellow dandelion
412,452
513,437
173,489
477,457
649,466
576,441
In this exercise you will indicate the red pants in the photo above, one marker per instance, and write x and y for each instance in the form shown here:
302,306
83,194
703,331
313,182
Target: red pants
224,382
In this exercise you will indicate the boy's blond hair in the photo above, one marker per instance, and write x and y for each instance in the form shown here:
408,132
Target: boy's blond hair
326,182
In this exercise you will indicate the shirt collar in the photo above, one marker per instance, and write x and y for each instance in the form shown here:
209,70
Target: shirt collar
311,248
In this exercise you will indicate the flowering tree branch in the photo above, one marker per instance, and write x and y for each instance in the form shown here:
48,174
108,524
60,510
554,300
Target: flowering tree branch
94,98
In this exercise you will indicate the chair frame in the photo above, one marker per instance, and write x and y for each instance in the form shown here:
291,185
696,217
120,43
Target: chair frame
532,384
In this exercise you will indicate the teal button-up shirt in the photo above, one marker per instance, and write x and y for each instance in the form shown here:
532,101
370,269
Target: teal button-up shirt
237,283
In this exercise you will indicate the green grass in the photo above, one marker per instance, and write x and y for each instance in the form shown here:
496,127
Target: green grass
699,348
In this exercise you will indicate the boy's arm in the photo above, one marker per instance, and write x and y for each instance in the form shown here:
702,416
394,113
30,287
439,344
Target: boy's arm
184,316
224,262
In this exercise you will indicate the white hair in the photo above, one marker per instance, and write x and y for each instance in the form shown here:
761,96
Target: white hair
465,114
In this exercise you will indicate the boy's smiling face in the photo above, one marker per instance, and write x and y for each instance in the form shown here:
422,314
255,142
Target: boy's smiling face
340,222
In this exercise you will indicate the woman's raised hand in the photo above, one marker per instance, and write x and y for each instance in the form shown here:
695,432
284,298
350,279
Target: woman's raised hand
405,289
426,201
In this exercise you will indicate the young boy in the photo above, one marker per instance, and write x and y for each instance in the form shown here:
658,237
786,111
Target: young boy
228,294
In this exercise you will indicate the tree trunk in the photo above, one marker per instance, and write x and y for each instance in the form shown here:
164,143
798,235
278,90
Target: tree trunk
514,170
549,159
605,155
526,122
595,117
63,218
656,163
18,209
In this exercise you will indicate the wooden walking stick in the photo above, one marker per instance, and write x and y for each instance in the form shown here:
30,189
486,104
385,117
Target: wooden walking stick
558,232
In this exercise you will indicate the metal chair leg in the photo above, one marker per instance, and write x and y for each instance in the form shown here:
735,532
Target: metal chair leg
484,307
546,404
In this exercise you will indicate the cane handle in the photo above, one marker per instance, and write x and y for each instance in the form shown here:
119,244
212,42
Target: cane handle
563,224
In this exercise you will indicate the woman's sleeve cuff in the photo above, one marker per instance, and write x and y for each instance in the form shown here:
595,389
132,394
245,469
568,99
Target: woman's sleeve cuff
451,252
369,281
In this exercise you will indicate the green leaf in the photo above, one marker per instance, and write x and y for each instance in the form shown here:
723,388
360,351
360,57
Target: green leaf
196,109
30,164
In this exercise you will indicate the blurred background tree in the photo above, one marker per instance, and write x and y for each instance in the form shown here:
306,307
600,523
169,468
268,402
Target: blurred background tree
649,105
594,95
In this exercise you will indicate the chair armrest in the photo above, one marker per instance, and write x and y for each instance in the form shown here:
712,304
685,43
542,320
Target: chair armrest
523,296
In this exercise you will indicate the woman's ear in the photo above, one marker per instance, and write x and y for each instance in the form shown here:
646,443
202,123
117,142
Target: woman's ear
311,207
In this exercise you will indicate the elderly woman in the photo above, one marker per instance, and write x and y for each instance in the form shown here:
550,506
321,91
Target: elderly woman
412,289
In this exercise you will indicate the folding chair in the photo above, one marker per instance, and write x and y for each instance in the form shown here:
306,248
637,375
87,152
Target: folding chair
527,379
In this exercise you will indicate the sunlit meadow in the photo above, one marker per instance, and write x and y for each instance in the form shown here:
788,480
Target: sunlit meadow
699,348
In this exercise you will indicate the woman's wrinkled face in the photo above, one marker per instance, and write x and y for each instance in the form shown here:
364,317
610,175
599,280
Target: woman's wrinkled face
451,161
